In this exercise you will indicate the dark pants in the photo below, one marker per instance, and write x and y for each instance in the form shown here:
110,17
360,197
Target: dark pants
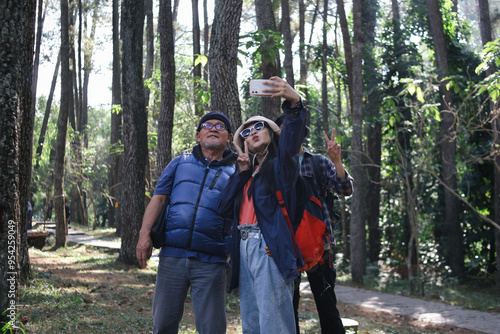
322,282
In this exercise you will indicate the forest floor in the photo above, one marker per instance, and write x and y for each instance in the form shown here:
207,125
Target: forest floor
86,289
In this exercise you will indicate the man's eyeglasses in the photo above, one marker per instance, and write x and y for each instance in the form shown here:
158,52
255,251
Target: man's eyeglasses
248,131
218,127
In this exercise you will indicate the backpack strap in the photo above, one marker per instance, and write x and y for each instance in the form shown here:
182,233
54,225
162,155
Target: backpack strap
281,203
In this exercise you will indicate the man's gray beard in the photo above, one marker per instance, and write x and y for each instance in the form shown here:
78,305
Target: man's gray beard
213,146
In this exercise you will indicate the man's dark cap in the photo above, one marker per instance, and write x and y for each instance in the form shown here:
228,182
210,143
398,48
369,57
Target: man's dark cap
216,115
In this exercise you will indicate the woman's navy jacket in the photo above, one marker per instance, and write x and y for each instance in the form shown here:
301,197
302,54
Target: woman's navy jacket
269,215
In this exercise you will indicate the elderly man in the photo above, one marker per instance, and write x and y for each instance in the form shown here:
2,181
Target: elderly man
193,254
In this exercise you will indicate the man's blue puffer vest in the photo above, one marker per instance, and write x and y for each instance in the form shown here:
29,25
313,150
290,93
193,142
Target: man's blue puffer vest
192,219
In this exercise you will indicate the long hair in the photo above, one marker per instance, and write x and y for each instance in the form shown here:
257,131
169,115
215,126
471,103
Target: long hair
266,172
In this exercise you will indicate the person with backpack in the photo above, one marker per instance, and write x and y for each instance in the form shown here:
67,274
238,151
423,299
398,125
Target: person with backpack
330,176
264,262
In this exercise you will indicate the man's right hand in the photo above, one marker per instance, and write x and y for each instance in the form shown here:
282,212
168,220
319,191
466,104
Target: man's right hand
144,249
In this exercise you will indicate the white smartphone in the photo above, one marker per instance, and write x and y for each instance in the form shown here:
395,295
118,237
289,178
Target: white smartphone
257,85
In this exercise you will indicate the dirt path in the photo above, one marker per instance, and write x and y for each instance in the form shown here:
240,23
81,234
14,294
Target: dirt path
86,290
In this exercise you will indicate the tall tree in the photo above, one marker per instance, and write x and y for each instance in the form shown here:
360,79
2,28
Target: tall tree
287,37
26,125
116,125
486,36
198,107
166,119
206,40
358,232
324,70
62,126
135,141
270,62
48,106
223,59
150,45
455,251
302,45
344,26
17,23
373,127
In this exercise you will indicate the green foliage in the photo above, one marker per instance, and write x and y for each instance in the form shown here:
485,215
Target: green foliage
490,57
265,44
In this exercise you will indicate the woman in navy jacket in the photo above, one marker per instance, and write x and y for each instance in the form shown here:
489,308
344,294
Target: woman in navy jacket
263,255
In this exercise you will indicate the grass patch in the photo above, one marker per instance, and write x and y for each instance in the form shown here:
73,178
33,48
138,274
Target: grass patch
84,290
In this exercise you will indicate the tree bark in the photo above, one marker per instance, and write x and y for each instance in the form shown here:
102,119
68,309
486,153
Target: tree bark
344,26
166,119
206,41
135,141
150,46
486,36
116,126
62,126
198,107
266,21
373,129
26,126
223,60
287,37
17,22
48,107
358,232
324,70
455,251
302,46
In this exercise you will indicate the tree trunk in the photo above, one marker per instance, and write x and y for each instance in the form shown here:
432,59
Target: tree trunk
223,60
358,232
166,119
26,126
373,129
87,58
77,203
206,41
48,107
198,107
302,53
135,141
324,71
486,36
344,26
287,37
265,21
150,46
17,22
38,41
116,125
62,126
455,250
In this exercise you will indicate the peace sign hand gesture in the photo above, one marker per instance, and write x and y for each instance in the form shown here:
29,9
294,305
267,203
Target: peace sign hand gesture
333,148
243,161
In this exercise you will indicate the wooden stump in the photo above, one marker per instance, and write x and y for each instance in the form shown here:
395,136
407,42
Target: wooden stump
36,239
350,324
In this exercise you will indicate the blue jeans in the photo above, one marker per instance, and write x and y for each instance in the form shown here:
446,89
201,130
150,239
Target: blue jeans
208,294
266,301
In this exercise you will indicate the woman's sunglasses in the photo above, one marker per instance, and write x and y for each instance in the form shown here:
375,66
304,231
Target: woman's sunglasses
248,131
